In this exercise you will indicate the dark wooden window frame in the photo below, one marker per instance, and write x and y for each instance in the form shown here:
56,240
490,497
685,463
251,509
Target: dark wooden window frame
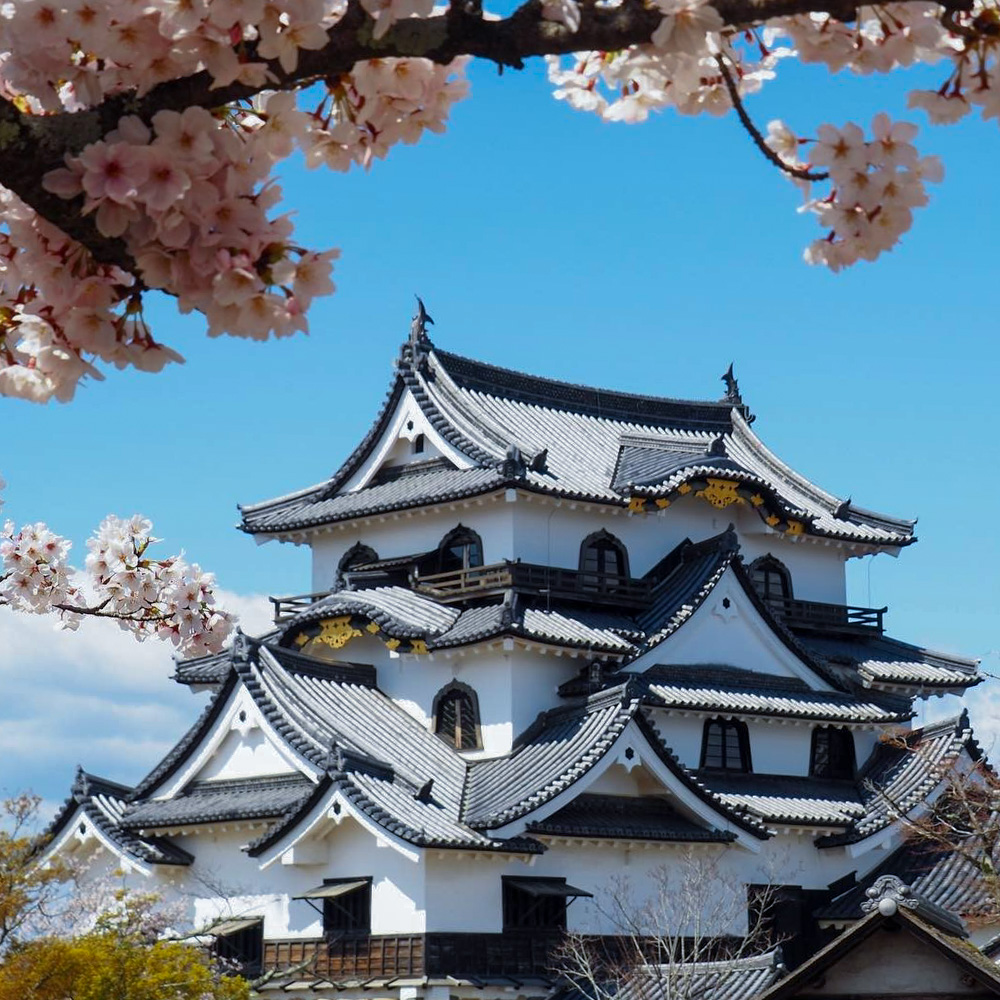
742,760
352,911
469,540
524,912
243,947
463,737
602,542
837,759
769,565
357,555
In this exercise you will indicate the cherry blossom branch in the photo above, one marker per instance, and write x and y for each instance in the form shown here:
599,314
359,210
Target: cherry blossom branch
166,598
31,145
758,140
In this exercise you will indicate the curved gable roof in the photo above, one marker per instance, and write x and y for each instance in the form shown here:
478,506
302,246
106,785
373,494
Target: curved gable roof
569,440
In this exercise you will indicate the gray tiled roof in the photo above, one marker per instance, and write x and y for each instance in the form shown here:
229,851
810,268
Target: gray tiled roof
315,507
688,575
402,613
398,611
643,818
737,979
220,801
596,442
727,690
554,753
558,749
900,774
104,802
880,661
945,878
780,798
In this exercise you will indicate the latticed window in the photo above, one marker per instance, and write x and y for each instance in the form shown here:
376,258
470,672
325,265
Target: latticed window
771,579
832,753
457,717
240,943
603,555
461,549
350,910
725,745
532,903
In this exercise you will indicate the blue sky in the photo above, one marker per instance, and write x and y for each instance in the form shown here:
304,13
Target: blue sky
644,258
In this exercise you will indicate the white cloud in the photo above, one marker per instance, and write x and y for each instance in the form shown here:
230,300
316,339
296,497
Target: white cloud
94,697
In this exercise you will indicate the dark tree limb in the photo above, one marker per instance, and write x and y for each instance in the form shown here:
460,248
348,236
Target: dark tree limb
758,140
31,145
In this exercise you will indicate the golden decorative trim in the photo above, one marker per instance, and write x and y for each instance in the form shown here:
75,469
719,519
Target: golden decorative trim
301,639
371,627
684,489
757,500
772,520
392,644
636,505
795,528
418,646
662,503
721,493
337,632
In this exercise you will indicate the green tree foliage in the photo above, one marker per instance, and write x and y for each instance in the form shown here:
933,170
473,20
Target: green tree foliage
122,957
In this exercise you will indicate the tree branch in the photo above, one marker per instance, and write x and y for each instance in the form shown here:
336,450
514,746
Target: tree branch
758,140
31,145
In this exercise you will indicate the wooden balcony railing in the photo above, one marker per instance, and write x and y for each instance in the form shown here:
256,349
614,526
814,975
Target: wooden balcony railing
554,581
288,607
822,617
524,953
484,581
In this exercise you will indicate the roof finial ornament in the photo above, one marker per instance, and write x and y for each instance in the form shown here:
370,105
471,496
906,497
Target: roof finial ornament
418,325
843,510
732,388
241,646
887,894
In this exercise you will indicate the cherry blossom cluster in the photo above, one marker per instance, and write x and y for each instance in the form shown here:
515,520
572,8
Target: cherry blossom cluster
166,598
70,55
190,195
874,186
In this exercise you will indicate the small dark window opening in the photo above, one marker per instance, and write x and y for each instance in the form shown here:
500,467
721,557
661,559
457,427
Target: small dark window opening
418,445
357,555
771,580
603,555
460,549
523,911
349,914
832,753
456,717
243,949
725,745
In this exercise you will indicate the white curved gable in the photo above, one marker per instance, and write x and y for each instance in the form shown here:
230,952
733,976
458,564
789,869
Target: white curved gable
729,630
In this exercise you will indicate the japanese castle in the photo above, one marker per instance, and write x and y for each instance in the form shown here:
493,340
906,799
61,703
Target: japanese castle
559,639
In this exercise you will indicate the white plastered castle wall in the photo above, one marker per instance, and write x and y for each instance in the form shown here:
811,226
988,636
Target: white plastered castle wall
225,882
727,629
513,685
521,526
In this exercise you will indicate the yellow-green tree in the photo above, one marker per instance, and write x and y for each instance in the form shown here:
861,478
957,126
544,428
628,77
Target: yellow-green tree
122,957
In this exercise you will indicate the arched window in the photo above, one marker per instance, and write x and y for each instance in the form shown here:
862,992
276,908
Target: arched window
357,555
418,444
460,549
456,716
602,556
771,579
832,753
725,745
